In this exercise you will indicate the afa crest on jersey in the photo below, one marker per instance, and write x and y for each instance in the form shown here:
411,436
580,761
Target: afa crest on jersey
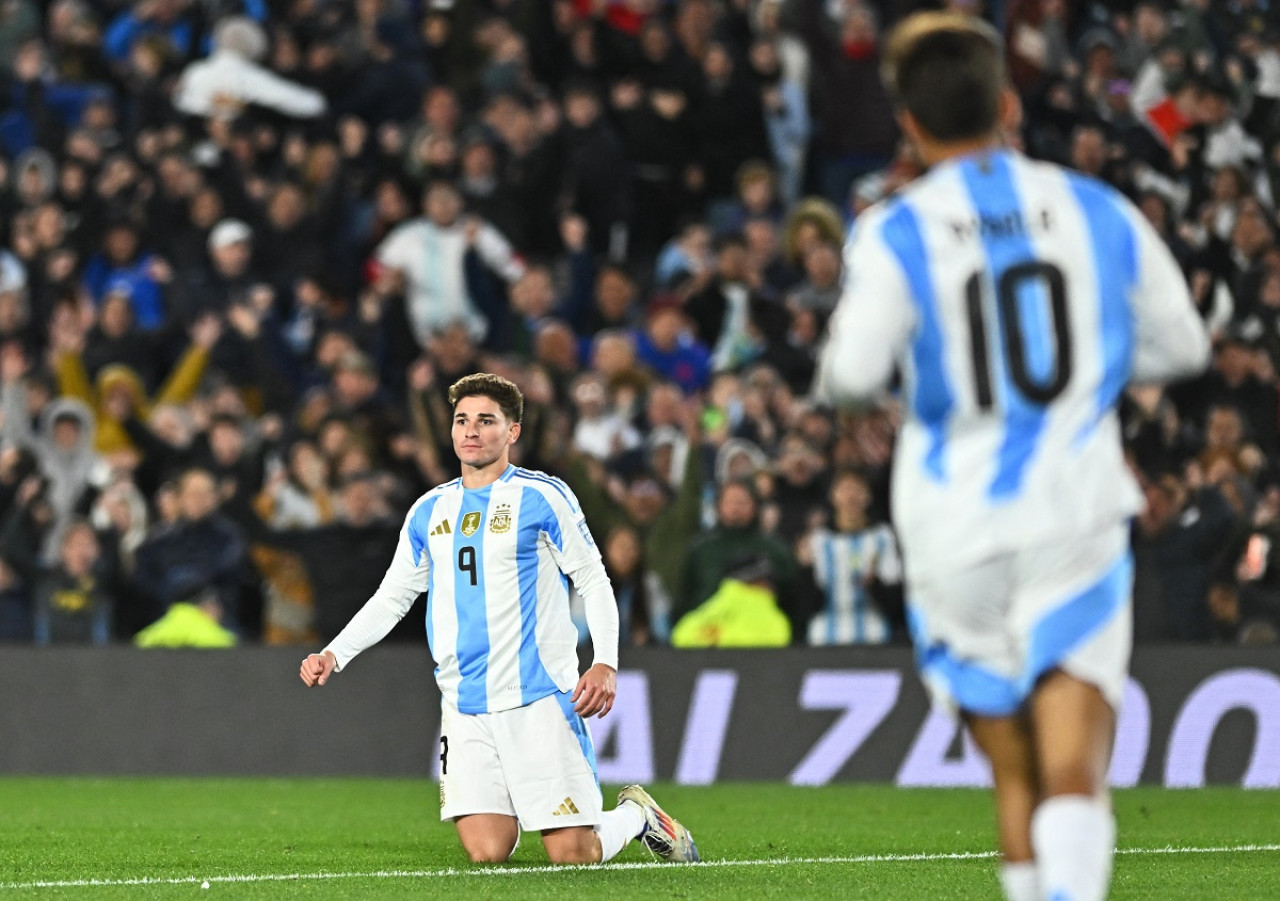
500,521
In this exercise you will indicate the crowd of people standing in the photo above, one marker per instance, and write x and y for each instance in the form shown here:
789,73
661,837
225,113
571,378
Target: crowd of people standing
246,246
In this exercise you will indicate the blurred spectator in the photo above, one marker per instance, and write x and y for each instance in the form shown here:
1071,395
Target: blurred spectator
730,116
663,509
340,557
823,277
742,612
231,78
74,603
189,624
720,309
736,533
657,125
669,347
63,445
595,182
173,21
15,312
227,276
601,431
786,111
19,20
1240,377
858,133
119,393
644,608
799,486
1245,599
424,258
1178,541
123,269
199,561
856,567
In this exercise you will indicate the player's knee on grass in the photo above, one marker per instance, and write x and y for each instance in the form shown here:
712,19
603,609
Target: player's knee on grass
573,845
493,840
488,851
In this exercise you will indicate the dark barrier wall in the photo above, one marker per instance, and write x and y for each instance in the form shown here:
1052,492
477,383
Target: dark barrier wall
1191,716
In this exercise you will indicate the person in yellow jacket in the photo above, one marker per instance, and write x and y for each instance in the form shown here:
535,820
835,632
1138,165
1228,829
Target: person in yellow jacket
742,613
118,392
188,624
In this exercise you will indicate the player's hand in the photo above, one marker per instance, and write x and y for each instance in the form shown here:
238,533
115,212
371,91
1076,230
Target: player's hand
317,667
595,691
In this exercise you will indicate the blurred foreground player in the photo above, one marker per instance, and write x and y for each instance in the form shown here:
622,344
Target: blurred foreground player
492,550
1017,300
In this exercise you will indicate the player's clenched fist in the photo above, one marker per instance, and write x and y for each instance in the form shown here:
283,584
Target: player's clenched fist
317,667
595,691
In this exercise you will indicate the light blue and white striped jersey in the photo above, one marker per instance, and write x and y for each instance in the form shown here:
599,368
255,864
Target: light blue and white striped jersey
843,563
496,563
1017,299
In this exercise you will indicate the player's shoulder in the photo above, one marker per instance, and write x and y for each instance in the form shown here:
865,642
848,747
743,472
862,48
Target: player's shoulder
871,222
429,498
895,222
441,489
883,531
405,230
1086,185
1087,189
551,487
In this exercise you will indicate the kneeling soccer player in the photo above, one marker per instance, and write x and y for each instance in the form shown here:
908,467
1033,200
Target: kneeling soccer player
492,550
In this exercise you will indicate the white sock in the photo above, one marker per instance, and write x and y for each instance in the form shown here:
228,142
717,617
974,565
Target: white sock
617,827
1074,838
1019,881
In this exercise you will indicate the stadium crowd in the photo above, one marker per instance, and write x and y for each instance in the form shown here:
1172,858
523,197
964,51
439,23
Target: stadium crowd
246,245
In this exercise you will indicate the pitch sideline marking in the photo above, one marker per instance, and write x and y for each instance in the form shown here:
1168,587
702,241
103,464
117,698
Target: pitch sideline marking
627,865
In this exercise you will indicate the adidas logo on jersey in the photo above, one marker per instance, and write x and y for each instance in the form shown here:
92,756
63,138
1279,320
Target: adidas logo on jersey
442,529
566,808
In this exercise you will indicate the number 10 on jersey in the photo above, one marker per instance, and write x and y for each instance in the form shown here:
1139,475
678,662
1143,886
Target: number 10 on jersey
1038,389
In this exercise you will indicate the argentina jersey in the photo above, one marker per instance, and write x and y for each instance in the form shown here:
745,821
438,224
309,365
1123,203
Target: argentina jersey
500,558
843,564
1017,299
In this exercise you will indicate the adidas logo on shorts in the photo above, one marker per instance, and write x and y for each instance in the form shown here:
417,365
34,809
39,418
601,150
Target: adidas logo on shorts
566,808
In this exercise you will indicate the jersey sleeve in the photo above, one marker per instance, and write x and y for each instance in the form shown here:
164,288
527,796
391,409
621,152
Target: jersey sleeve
397,250
498,254
888,561
1171,339
872,322
407,577
818,547
579,559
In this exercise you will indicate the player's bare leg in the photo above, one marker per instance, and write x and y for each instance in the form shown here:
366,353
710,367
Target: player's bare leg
1075,728
636,816
1073,829
1008,744
572,845
488,837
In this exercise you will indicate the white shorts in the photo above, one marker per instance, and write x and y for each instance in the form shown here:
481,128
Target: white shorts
985,633
535,763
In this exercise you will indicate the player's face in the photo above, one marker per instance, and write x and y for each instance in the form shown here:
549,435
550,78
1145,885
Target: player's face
482,436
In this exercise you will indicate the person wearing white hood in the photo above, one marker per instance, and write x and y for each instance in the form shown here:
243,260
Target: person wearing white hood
230,78
67,460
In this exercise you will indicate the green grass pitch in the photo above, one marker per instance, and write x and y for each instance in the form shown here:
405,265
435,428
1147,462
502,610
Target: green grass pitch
380,839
